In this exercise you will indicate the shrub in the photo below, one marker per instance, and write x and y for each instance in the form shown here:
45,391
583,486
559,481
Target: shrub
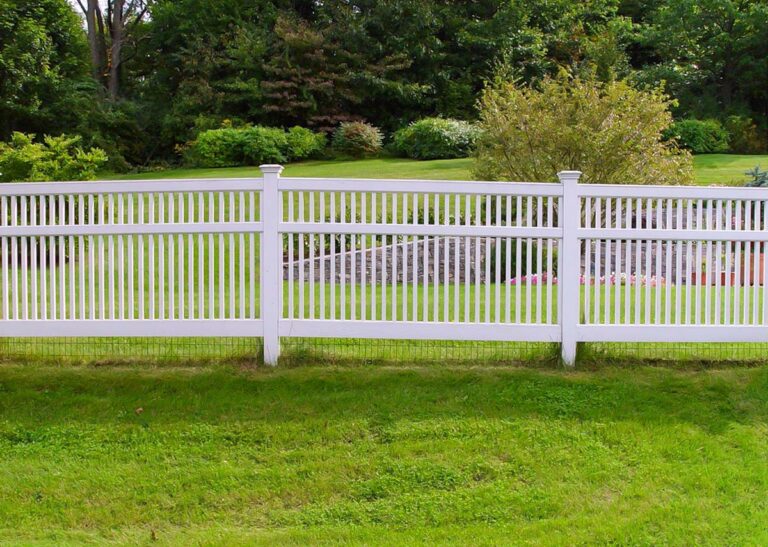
758,178
744,137
436,138
699,136
611,132
216,148
54,159
231,147
357,139
262,145
303,143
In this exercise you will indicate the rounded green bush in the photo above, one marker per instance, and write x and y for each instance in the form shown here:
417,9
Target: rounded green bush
24,159
232,147
263,145
303,143
436,138
357,139
699,136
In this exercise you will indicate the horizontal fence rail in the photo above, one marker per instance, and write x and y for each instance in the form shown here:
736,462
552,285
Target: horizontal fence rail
276,257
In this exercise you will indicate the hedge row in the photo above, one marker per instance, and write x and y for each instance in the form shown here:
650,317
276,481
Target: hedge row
430,138
230,147
426,139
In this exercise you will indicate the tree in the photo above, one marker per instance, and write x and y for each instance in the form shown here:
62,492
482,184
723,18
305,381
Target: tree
202,63
611,132
43,59
308,77
712,54
109,31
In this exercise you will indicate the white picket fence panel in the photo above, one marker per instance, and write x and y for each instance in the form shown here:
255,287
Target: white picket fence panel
278,257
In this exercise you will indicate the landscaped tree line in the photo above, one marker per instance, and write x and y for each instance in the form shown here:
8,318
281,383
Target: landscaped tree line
142,78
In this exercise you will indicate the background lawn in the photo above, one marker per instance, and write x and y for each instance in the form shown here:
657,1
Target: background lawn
382,168
719,169
383,455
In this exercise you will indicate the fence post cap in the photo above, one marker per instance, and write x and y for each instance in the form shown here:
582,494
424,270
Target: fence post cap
568,175
271,168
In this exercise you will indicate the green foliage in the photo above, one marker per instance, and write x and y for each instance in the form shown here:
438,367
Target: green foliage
54,159
436,138
43,57
230,146
610,132
710,54
190,64
357,139
744,137
758,178
308,77
699,136
303,143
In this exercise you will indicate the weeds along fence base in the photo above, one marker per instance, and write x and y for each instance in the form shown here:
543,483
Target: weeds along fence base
290,258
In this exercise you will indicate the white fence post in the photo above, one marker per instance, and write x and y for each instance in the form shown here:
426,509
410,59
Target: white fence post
570,217
271,263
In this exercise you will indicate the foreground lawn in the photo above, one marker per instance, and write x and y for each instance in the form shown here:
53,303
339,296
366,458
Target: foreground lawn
719,169
383,455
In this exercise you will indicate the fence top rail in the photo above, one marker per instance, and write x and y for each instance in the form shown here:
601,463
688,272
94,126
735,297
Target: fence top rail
672,192
131,186
422,186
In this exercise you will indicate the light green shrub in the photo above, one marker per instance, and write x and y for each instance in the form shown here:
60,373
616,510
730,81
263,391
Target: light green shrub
56,158
611,132
303,143
232,147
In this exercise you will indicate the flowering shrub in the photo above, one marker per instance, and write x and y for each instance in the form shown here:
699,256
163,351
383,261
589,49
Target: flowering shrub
533,279
436,138
624,279
612,279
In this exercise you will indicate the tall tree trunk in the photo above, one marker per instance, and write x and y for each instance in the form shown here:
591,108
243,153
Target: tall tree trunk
93,22
117,27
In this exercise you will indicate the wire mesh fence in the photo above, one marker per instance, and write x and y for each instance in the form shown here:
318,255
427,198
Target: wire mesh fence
131,351
422,352
247,351
675,353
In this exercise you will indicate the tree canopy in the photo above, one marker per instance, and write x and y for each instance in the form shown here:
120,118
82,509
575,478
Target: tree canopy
138,78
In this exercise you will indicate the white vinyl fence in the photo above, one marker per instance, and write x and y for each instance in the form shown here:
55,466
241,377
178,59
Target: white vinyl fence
279,257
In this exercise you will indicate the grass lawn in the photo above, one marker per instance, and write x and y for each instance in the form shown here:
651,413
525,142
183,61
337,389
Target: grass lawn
385,168
726,169
719,169
217,455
